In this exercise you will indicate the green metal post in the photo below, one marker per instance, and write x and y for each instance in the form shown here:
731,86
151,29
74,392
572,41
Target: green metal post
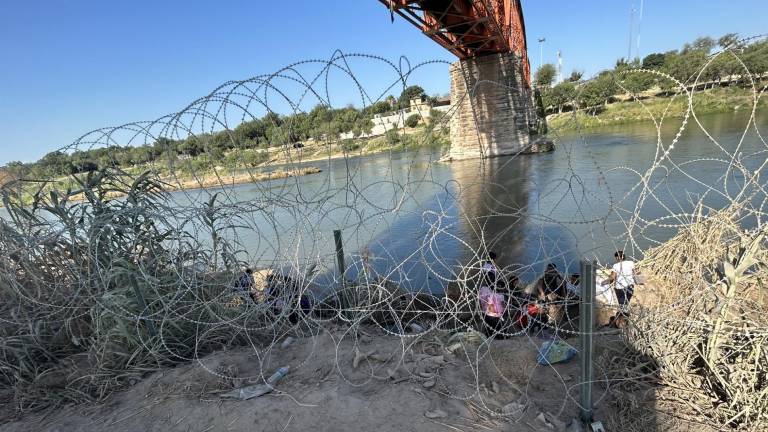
339,255
586,328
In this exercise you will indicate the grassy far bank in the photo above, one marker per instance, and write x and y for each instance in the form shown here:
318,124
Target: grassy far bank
651,105
392,141
237,166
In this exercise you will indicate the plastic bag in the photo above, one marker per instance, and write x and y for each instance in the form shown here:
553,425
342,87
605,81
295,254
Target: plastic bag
552,352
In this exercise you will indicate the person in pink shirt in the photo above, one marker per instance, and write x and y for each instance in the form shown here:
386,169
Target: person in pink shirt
492,298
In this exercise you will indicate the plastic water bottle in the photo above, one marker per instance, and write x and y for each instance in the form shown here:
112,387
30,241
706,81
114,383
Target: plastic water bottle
257,390
277,376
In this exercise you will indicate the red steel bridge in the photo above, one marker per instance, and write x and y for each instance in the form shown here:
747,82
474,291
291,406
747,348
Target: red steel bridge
469,28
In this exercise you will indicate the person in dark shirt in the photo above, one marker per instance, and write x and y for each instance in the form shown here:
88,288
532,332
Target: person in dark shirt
552,292
244,286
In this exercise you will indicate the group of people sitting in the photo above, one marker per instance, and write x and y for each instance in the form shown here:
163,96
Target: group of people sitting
506,304
281,293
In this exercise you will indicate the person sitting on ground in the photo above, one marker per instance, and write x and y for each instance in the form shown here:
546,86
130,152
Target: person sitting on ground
516,292
492,303
573,286
244,286
551,288
286,296
623,278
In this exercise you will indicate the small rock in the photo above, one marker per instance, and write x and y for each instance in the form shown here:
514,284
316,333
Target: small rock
429,383
365,339
495,386
435,414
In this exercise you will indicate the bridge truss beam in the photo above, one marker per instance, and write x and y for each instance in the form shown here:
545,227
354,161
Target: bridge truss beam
469,28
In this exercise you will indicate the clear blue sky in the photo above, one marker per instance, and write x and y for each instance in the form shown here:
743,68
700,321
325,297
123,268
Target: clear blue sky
72,66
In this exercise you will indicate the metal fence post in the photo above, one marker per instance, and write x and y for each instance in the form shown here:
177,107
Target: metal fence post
339,255
345,299
586,328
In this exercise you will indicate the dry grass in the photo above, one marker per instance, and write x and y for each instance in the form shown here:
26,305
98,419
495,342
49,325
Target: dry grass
704,325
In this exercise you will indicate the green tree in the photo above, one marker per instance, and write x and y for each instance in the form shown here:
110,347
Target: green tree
163,145
412,121
15,168
683,66
653,61
704,43
55,163
436,118
363,126
637,81
728,40
252,130
392,137
192,146
597,92
142,154
545,75
562,94
410,92
379,107
575,76
756,58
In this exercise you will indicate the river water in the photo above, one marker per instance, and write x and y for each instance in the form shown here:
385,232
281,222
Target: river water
419,222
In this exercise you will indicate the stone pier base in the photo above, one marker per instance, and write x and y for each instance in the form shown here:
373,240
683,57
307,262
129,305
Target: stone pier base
495,111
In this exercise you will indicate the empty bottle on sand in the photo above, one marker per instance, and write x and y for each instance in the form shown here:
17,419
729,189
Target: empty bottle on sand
278,375
250,392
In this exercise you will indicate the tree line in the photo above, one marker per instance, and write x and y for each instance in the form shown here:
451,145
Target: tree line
684,65
271,130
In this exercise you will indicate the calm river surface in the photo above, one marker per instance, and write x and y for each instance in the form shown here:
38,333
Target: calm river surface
418,221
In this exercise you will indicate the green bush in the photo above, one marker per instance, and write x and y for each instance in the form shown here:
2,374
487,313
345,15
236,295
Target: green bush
392,137
350,145
412,121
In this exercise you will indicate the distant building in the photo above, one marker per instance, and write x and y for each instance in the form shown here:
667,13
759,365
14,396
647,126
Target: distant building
396,120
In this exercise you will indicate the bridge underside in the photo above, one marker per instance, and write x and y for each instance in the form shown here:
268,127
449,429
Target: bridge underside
495,110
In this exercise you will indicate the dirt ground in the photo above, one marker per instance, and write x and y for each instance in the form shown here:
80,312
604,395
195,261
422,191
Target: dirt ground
411,383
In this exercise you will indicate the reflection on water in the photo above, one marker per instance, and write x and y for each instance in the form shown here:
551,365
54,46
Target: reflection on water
417,221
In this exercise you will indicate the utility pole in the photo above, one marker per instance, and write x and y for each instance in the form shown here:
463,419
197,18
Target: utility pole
639,24
631,24
541,51
559,68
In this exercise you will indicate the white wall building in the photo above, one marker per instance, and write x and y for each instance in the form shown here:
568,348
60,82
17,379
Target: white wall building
396,120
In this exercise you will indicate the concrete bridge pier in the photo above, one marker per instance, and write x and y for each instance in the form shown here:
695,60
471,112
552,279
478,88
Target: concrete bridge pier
495,111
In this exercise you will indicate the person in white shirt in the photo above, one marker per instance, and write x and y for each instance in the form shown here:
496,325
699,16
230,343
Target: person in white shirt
623,277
